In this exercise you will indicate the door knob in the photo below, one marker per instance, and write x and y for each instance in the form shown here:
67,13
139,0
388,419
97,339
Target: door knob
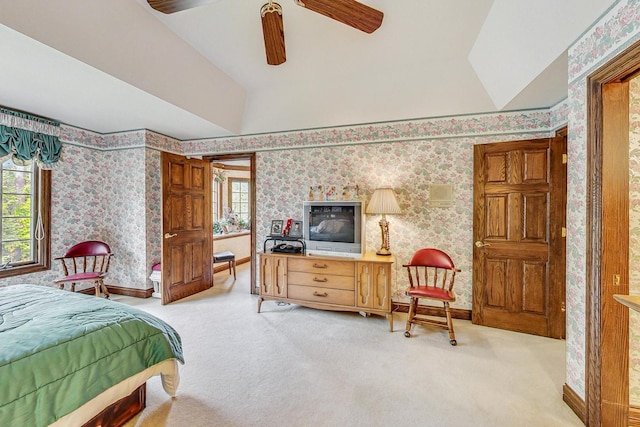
480,244
168,236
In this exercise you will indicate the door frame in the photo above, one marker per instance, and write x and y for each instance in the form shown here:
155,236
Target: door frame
601,378
252,180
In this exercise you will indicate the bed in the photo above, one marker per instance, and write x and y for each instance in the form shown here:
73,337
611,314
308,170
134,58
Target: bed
67,358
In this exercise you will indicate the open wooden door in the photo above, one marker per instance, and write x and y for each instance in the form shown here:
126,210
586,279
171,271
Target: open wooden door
519,253
186,227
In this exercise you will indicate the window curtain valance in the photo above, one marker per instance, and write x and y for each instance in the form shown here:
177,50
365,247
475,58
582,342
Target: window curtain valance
25,138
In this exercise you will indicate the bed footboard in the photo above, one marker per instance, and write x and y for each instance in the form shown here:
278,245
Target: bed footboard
121,411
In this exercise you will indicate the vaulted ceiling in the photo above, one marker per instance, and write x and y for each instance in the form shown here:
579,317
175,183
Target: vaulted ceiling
118,65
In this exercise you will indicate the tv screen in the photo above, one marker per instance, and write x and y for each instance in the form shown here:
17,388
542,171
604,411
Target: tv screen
332,223
333,227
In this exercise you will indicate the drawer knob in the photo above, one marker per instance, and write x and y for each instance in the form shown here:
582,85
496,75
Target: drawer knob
319,266
317,294
315,279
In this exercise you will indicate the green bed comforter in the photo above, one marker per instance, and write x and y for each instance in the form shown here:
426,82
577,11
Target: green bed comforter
59,349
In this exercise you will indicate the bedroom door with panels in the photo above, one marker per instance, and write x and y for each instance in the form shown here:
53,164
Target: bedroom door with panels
519,253
186,227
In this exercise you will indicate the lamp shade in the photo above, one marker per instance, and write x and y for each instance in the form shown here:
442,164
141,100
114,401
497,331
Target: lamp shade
383,201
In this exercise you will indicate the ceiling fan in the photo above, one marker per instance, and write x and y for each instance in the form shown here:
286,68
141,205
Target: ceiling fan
350,12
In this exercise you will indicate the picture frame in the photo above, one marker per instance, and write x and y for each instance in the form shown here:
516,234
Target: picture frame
296,229
276,227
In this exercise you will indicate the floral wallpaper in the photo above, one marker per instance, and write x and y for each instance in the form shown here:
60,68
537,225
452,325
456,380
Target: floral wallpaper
410,168
576,241
634,238
153,206
615,31
76,209
408,155
123,194
108,187
102,195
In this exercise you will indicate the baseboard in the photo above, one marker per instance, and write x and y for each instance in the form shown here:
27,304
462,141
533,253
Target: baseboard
575,402
634,416
130,292
456,313
146,293
119,290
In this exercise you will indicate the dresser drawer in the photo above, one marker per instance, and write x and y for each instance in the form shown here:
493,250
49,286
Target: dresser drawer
322,295
321,280
324,266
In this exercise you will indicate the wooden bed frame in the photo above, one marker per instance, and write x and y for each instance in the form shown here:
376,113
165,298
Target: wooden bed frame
122,411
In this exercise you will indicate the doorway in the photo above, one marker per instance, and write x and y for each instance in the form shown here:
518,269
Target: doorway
234,192
607,333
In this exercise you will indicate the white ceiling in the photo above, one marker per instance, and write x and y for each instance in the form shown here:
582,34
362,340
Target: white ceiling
118,65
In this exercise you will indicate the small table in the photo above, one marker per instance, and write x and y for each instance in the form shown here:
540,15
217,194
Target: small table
276,239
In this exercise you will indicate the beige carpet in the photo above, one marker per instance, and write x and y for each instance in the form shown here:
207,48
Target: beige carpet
295,366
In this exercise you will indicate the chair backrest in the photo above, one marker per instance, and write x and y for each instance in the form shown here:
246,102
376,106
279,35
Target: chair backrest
431,267
88,256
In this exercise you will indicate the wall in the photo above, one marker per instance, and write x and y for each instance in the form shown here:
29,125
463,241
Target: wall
612,33
105,195
408,155
634,239
153,214
240,245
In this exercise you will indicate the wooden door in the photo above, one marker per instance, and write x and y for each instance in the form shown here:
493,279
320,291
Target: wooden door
186,227
519,252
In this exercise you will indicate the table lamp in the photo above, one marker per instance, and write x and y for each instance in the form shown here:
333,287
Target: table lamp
383,201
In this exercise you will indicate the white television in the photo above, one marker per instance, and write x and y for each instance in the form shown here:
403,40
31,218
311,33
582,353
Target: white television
334,228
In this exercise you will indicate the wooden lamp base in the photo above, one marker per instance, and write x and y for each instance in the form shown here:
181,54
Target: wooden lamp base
384,229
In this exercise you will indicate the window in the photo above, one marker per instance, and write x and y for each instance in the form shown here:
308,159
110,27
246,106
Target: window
239,197
215,197
24,223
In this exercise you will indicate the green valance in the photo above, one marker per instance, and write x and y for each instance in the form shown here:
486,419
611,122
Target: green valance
26,145
28,117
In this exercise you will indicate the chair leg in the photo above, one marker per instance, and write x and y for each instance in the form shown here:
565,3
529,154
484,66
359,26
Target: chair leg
230,267
452,334
105,291
412,312
234,268
101,287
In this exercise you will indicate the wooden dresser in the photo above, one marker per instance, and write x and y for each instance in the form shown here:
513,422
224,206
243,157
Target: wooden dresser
328,283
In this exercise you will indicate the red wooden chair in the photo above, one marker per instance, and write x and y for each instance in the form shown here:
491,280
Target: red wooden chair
431,276
86,262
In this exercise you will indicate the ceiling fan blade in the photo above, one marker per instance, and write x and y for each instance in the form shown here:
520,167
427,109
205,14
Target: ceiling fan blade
350,12
172,6
273,32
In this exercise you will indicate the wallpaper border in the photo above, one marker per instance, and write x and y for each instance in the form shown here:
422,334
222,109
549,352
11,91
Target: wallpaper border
527,122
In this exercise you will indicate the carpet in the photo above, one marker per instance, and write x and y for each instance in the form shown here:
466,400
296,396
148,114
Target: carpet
296,366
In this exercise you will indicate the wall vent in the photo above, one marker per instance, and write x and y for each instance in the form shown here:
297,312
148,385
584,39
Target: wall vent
441,195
